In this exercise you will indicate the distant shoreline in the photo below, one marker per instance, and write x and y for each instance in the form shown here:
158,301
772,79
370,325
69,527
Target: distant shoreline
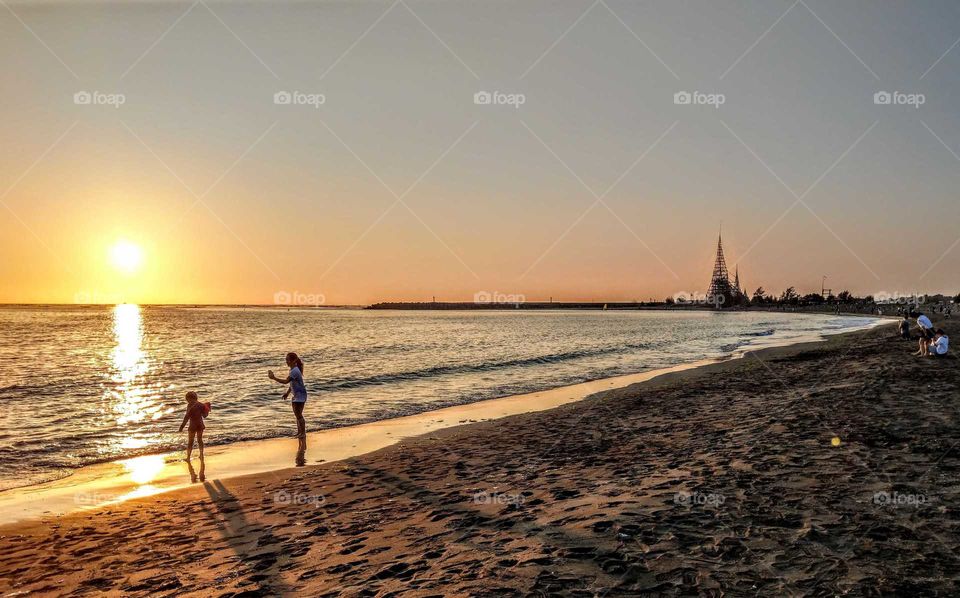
852,309
867,310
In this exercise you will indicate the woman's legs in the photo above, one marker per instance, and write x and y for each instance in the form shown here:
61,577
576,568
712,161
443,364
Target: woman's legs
200,443
301,423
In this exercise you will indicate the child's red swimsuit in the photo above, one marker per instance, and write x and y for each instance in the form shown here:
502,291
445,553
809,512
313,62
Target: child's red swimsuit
196,417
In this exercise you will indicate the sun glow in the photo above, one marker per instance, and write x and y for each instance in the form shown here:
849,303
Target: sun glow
126,257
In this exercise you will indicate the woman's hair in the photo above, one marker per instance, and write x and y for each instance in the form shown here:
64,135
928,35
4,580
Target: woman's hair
192,396
292,357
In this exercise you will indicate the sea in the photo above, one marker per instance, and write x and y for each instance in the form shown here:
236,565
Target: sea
87,384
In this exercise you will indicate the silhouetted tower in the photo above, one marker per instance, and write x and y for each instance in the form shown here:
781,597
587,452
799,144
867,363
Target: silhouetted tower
720,282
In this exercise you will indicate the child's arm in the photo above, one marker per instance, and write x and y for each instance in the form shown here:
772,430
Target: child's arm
273,377
184,422
286,393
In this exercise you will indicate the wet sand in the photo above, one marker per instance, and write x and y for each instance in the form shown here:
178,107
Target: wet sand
824,468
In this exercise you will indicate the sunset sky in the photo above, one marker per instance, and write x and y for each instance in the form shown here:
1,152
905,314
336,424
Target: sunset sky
199,188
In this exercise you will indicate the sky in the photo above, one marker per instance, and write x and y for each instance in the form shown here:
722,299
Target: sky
154,130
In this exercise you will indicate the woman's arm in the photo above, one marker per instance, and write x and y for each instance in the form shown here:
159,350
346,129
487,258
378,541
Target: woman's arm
184,422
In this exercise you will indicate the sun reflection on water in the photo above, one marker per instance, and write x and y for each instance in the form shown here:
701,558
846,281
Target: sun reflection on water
132,400
128,358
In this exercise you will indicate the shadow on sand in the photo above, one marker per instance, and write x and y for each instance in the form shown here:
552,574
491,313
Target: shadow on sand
259,555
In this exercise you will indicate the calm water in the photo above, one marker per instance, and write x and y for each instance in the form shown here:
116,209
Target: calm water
82,385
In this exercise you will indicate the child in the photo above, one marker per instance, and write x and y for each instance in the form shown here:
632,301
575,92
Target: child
297,387
196,411
904,328
940,345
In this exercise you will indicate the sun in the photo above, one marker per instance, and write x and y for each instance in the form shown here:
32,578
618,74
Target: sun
126,257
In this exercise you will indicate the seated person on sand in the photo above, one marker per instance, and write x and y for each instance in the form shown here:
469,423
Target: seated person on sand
925,326
904,328
940,344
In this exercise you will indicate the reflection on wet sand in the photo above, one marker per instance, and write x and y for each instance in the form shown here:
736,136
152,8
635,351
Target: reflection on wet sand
193,472
144,469
301,459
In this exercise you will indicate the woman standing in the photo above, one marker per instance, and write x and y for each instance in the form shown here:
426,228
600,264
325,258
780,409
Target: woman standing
295,380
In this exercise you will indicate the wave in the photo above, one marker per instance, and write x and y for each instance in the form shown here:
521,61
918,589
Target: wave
768,332
469,368
50,461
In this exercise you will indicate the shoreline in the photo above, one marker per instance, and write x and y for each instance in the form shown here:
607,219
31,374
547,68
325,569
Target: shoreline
102,484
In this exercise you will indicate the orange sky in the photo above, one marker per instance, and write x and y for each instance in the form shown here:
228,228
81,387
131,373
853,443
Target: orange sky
401,187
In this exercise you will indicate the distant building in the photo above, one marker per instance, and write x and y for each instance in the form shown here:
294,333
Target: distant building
722,292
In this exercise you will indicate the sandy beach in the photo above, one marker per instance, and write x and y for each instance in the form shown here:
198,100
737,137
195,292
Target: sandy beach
824,468
118,481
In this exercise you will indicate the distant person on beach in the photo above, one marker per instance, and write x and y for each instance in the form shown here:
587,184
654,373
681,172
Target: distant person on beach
196,411
925,326
295,380
904,328
940,344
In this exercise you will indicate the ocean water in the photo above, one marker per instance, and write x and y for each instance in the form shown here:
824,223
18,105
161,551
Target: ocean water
81,385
